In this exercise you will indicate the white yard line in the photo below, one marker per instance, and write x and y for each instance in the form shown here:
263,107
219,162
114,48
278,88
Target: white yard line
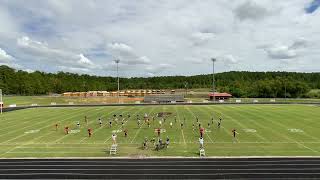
215,121
178,116
304,133
32,124
132,116
192,113
283,135
59,139
27,143
24,134
190,142
245,127
19,122
208,158
95,131
241,125
138,131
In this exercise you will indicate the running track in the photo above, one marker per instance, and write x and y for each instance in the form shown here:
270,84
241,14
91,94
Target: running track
199,168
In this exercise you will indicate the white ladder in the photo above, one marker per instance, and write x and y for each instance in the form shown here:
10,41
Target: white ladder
202,152
113,149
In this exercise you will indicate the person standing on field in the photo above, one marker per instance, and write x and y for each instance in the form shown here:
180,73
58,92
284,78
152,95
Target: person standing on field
89,132
114,138
66,129
201,142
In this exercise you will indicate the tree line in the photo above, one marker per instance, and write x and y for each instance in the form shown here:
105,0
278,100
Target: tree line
239,84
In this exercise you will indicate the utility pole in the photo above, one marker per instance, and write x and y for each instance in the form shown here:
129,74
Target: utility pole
213,88
117,61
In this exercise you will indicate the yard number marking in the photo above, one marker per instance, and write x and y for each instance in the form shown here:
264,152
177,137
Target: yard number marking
295,130
250,130
32,131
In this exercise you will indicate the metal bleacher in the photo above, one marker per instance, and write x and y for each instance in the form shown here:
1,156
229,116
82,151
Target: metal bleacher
164,98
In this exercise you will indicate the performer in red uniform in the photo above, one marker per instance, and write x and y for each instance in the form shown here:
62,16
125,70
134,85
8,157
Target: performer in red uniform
89,132
201,132
66,129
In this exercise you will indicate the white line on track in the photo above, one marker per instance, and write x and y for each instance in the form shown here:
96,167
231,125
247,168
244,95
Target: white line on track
154,169
163,174
168,159
157,165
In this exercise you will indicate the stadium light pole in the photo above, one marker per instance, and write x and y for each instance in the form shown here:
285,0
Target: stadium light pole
117,62
213,88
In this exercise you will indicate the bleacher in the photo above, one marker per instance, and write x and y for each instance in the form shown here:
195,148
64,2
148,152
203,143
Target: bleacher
164,98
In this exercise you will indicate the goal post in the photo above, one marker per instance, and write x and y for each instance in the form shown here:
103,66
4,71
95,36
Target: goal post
1,101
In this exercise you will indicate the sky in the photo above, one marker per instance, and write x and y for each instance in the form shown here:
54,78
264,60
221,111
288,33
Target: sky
160,37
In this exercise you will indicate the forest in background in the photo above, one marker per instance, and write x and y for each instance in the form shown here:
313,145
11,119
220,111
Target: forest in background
239,84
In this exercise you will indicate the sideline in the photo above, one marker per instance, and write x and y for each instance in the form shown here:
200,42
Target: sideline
8,109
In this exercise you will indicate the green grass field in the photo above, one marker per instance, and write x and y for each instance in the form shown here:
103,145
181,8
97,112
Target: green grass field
263,130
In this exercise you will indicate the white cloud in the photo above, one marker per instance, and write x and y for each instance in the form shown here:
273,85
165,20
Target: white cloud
279,51
251,10
228,60
45,54
84,60
4,56
299,43
154,69
120,47
29,70
75,70
126,54
8,60
87,36
202,37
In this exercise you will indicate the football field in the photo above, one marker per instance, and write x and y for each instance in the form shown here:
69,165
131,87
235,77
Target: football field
262,130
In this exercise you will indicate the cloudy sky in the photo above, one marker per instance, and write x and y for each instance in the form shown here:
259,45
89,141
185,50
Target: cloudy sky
160,37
